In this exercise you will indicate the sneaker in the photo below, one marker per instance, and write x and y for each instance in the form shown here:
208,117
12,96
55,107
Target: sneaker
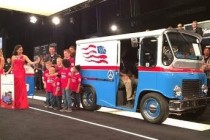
63,110
46,106
69,110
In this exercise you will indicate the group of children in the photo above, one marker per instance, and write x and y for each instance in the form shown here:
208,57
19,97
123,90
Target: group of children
62,81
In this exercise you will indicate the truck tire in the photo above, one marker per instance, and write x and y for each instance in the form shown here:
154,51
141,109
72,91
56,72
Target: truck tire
88,99
154,108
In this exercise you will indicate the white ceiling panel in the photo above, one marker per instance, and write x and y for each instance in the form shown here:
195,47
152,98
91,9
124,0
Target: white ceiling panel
40,7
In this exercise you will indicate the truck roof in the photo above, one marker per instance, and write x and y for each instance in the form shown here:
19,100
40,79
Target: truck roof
133,35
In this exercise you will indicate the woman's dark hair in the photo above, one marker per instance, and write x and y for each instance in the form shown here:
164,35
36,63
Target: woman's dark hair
66,63
16,48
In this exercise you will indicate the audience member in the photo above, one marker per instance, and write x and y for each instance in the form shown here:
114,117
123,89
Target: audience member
180,26
196,29
38,74
7,65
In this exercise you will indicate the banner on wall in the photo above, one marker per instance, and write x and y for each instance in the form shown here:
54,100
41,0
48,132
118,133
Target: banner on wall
7,95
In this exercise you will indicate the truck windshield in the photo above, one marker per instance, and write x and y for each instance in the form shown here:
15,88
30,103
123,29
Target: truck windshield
184,46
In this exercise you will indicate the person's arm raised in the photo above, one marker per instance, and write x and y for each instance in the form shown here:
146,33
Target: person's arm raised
29,61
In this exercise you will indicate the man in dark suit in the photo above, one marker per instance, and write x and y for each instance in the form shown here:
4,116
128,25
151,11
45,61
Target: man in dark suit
52,56
196,29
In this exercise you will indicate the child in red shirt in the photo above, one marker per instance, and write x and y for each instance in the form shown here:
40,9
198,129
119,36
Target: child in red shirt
67,55
58,65
66,92
57,93
75,83
48,85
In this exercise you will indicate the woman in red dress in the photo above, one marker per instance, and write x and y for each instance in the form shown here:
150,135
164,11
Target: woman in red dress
1,62
17,68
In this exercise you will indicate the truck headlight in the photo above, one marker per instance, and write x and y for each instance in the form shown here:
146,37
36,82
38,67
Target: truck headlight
204,89
177,91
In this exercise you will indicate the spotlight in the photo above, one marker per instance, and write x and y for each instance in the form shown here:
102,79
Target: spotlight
33,19
56,20
114,28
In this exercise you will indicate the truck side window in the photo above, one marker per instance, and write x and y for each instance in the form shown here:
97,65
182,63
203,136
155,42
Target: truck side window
167,55
149,52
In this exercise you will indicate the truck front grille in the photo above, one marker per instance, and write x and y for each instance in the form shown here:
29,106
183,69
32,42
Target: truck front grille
191,87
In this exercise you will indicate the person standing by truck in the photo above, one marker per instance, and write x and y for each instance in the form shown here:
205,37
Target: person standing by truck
72,50
206,66
75,85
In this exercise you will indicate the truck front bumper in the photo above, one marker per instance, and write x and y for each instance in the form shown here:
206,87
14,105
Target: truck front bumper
188,104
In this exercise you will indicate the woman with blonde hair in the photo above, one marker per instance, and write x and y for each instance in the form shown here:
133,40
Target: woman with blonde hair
1,62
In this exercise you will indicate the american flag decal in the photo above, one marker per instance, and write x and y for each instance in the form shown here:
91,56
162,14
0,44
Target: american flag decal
96,54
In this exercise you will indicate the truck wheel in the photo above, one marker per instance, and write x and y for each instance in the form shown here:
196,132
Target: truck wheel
88,99
154,108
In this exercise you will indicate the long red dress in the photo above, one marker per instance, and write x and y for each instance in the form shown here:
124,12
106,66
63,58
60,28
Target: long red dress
21,101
